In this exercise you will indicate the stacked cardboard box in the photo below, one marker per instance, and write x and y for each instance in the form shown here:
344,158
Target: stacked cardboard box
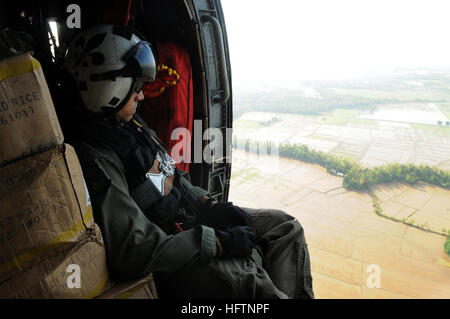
28,121
139,289
50,246
47,227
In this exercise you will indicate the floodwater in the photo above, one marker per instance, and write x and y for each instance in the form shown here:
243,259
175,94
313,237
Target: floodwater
345,237
429,114
354,253
372,144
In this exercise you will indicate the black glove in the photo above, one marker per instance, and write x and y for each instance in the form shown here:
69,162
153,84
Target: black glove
236,242
224,215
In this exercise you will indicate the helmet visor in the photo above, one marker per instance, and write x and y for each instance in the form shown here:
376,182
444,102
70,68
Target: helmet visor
143,56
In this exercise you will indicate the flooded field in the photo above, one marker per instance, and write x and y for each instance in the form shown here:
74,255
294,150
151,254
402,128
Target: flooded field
421,114
343,132
345,237
399,115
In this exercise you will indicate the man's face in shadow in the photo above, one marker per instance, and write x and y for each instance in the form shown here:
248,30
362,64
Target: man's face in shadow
127,112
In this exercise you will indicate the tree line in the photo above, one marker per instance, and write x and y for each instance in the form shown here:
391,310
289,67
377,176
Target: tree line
356,177
288,101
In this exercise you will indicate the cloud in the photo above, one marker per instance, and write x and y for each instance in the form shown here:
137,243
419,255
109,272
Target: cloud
331,39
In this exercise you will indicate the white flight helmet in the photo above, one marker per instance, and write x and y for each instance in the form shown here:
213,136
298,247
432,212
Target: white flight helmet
109,63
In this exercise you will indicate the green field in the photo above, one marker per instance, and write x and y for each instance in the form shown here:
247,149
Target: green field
400,95
440,131
339,117
342,117
445,108
246,124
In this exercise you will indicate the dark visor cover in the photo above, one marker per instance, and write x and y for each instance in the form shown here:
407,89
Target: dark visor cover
142,53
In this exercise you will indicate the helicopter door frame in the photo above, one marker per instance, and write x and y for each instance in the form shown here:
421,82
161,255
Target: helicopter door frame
207,15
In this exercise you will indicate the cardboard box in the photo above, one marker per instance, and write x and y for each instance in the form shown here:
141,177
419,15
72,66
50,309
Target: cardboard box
76,272
44,207
28,121
139,289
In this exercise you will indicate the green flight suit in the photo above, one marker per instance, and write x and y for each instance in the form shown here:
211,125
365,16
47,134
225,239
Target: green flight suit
184,263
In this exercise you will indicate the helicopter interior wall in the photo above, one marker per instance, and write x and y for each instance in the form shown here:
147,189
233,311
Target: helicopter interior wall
157,20
169,20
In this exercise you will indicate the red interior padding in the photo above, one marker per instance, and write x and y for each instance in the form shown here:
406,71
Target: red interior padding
119,14
174,107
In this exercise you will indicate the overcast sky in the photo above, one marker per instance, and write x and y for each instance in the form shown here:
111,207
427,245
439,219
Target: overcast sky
332,39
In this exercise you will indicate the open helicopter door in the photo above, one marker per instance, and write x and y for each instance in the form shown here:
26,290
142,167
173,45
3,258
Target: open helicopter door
217,116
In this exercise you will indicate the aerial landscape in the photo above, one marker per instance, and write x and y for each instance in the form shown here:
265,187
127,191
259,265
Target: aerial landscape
390,130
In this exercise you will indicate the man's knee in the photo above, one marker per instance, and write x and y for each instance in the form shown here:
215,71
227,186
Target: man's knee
276,216
274,221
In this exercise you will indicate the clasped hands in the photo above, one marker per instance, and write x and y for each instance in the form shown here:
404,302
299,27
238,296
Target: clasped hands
232,226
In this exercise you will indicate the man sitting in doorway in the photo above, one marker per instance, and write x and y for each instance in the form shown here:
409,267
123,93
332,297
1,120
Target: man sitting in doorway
153,220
